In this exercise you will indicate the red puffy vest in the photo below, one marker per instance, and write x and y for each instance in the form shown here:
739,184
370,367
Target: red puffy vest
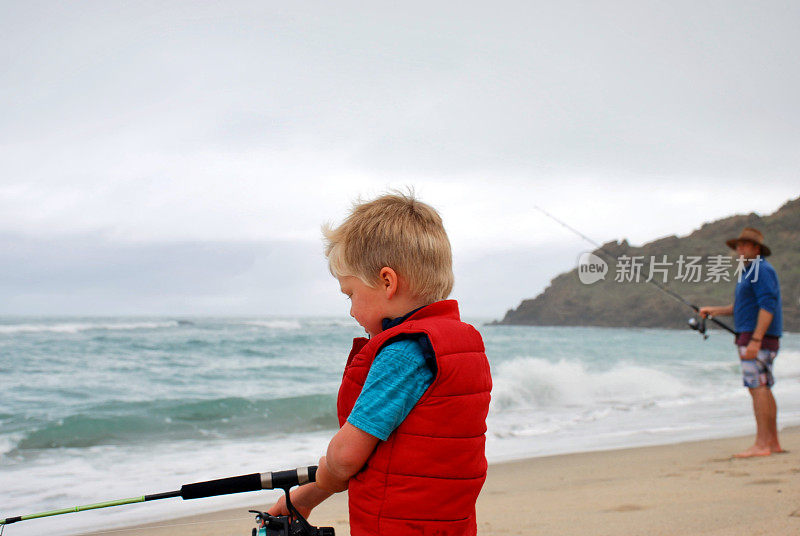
425,478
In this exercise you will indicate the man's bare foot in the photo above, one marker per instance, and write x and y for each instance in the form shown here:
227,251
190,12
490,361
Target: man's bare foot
753,452
777,450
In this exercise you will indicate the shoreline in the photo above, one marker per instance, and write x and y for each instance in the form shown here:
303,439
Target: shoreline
690,488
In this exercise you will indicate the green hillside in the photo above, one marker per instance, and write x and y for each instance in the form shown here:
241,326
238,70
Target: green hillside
568,302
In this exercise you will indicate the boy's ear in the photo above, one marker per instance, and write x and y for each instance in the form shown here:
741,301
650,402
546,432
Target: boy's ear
389,281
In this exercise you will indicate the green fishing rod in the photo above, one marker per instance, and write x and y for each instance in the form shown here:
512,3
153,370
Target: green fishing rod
210,488
699,326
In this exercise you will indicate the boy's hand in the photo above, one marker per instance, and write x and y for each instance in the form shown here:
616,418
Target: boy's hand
304,499
280,509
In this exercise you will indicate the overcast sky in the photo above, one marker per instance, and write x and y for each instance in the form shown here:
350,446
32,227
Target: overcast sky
179,158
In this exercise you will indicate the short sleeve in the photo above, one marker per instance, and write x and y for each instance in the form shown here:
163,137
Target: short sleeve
765,287
397,379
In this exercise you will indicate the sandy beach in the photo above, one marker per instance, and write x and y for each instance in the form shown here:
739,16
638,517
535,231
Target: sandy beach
688,488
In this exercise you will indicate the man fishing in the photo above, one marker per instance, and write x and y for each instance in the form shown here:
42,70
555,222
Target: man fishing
758,321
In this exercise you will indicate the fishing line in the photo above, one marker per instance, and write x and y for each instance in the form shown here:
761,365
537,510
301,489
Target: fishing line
674,295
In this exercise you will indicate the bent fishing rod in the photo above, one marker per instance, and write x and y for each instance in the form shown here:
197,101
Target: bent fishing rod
295,524
693,323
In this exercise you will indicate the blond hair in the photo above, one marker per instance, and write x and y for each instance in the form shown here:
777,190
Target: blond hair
398,231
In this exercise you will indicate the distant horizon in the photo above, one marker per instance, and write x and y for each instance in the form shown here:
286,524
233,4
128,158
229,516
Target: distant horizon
184,259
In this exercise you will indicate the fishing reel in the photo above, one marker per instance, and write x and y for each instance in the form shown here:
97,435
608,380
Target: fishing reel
269,525
699,326
292,525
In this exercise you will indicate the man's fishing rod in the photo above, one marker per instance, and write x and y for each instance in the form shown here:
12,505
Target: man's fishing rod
693,323
223,486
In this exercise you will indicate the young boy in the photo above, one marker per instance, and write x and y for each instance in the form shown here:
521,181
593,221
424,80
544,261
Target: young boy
414,396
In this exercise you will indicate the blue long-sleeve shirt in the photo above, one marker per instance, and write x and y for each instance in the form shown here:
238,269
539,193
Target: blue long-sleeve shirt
758,289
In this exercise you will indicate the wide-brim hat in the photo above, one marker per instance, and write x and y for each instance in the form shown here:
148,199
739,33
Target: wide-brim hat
751,235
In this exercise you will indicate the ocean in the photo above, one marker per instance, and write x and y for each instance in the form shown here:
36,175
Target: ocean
96,409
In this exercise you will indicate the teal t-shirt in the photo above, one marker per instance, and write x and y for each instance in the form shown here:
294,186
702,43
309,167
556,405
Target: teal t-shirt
397,379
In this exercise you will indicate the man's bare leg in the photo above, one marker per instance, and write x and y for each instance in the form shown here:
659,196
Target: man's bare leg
764,413
772,421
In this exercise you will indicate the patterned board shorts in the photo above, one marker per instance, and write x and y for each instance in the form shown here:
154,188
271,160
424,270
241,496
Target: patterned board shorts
757,372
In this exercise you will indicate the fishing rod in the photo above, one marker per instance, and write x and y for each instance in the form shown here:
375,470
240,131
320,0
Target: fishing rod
293,525
699,326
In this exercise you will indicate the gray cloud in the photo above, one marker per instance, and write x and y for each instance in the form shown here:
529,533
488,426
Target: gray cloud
638,88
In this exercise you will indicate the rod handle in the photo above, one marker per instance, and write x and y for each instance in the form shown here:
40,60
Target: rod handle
251,482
